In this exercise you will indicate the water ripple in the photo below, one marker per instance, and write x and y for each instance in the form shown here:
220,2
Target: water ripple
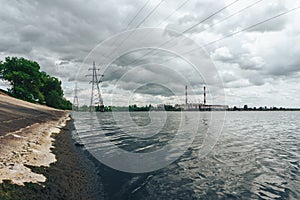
257,157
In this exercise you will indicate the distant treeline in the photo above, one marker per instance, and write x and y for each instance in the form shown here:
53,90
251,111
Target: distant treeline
30,84
135,108
261,108
131,108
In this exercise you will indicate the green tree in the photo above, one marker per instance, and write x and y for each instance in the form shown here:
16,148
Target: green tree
23,75
28,83
53,93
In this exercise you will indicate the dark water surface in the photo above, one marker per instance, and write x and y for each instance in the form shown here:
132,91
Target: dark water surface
256,157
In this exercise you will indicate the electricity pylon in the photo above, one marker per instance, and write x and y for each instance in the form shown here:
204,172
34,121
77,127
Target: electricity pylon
96,103
75,100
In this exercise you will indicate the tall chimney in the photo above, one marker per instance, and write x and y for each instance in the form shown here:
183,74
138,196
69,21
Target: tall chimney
186,98
204,95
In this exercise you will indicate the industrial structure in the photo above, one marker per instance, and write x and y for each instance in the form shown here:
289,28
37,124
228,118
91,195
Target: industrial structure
186,98
199,106
75,104
96,102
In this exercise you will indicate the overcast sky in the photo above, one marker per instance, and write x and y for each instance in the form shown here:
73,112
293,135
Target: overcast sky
259,66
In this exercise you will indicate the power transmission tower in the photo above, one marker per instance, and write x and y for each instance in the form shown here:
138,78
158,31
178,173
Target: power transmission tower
96,103
75,100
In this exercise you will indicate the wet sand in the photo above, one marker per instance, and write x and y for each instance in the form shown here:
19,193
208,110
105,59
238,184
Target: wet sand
38,157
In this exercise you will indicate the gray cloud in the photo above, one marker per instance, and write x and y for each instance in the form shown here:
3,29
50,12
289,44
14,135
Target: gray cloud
60,34
155,89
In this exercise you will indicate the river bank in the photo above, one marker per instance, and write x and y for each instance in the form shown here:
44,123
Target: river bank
38,157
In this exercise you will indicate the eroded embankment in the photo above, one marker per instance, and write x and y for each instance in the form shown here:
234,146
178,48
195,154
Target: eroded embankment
26,138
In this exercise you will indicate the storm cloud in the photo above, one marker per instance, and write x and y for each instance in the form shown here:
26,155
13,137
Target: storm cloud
60,35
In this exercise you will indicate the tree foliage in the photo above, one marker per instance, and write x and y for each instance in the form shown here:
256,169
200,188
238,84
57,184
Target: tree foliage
30,84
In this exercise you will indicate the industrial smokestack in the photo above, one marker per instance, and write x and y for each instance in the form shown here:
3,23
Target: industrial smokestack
204,95
186,98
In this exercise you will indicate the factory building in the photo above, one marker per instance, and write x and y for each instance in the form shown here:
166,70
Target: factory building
200,106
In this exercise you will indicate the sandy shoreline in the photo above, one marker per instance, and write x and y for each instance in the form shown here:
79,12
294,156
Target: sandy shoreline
38,158
25,139
29,146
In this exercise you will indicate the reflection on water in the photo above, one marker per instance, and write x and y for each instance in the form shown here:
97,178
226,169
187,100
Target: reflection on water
256,157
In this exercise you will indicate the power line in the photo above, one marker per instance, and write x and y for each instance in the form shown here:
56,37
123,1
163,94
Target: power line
179,7
115,41
242,30
150,13
226,18
190,28
134,17
145,18
252,26
205,19
140,10
175,10
210,16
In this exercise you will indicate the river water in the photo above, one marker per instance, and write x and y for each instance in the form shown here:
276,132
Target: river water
256,156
